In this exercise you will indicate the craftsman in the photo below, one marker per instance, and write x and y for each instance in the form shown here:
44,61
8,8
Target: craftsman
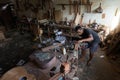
91,39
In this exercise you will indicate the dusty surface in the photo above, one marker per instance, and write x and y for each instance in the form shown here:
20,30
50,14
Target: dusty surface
20,47
101,69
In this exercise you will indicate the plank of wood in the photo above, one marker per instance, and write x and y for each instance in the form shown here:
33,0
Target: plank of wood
51,47
77,20
56,77
58,15
116,12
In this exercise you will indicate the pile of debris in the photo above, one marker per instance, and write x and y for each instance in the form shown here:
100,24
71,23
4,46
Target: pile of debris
112,48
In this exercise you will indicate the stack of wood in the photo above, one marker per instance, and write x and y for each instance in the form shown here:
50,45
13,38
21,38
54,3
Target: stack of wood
114,42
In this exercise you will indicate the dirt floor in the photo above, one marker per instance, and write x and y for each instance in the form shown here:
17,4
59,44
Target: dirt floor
101,68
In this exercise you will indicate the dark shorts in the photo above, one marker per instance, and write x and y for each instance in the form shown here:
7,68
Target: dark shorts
93,46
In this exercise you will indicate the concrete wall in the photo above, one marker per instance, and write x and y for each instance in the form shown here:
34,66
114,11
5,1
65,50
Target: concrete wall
109,9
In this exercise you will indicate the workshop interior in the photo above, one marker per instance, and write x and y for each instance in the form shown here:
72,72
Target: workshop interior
58,40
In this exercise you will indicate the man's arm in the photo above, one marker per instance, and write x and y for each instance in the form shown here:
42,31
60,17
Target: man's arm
90,38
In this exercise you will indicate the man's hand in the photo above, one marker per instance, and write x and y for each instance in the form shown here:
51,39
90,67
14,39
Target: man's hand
80,41
76,46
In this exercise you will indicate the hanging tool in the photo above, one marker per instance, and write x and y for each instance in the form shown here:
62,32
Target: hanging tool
103,16
81,18
17,4
89,21
88,6
27,4
53,13
75,6
116,12
63,7
99,9
79,7
70,9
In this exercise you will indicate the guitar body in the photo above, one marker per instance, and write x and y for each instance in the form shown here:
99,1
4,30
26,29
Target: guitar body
17,73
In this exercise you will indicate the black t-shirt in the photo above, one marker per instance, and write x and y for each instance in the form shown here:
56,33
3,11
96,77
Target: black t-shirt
87,33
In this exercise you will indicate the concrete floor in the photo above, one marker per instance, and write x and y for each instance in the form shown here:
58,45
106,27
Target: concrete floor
100,69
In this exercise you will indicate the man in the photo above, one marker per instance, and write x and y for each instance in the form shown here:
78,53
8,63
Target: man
91,39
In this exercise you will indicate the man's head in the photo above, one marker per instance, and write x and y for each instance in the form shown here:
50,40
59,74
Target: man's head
79,30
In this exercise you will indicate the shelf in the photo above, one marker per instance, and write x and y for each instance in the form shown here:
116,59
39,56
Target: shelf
74,4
